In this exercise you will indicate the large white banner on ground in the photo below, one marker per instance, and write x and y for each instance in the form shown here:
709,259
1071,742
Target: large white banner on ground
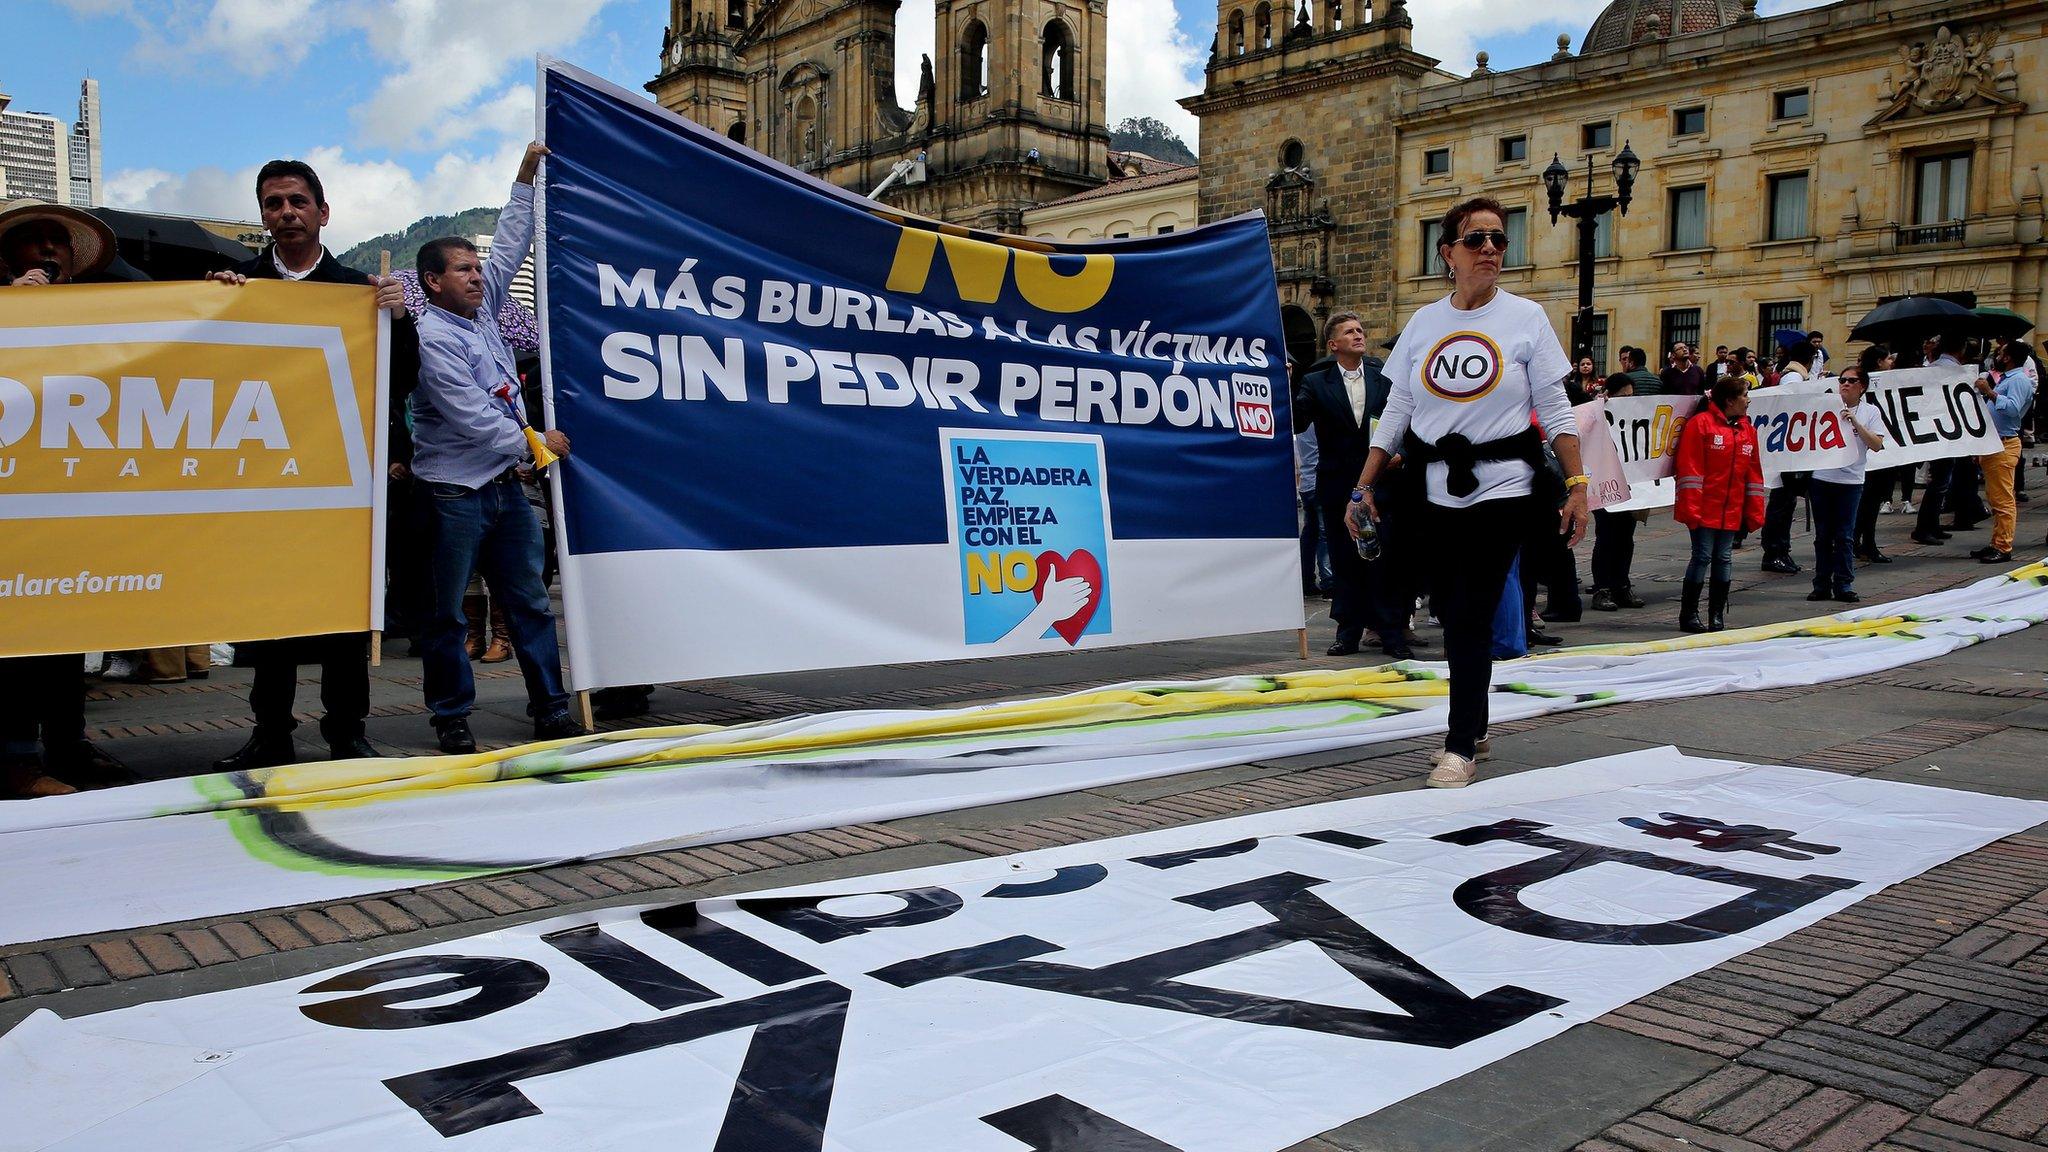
1232,987
180,849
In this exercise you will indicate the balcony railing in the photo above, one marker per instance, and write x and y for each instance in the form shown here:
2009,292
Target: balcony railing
1920,235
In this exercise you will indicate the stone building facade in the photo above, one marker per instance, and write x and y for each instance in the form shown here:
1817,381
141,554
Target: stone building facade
1796,171
1011,115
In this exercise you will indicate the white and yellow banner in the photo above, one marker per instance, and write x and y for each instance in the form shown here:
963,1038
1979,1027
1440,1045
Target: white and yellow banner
186,463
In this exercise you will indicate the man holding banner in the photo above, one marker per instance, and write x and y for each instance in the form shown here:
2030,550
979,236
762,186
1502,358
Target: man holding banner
294,208
470,440
2006,399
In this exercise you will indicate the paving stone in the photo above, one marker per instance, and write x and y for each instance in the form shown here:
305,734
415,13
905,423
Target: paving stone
206,947
1796,1124
163,953
121,959
33,973
2024,1115
320,927
281,933
1861,1129
243,939
1977,1096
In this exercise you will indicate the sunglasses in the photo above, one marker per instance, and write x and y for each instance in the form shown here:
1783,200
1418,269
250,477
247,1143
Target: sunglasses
1477,240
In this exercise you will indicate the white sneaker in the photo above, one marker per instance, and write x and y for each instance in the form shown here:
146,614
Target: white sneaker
1885,508
119,668
1909,508
1450,770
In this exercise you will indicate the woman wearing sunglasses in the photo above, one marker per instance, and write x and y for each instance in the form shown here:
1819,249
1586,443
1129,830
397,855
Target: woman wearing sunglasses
1833,493
1466,374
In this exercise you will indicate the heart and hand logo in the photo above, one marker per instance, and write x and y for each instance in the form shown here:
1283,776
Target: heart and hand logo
1074,582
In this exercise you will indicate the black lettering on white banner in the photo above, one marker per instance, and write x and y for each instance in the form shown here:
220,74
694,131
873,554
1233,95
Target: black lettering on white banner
800,914
1437,1014
500,983
1057,1124
779,1100
1072,878
627,968
1496,897
736,950
1716,836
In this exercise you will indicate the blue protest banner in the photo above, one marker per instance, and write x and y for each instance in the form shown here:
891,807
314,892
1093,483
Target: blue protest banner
814,431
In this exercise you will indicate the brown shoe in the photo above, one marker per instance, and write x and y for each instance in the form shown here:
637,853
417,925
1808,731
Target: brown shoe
473,611
25,781
501,636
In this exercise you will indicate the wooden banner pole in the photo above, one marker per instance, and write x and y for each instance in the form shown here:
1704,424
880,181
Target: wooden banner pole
377,637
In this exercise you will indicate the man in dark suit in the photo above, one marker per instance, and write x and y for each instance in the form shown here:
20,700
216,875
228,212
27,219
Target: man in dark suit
294,209
1340,399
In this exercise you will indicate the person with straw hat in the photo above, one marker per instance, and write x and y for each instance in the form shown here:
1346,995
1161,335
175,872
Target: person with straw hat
43,244
42,698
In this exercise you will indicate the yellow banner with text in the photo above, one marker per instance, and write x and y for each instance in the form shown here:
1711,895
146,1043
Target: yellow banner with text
188,463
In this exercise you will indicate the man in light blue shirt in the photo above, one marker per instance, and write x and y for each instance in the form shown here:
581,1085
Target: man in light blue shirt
469,437
2006,397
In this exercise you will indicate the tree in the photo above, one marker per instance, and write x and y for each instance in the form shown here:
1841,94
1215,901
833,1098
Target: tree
1146,134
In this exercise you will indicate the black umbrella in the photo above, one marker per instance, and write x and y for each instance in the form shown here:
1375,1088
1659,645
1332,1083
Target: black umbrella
1906,322
170,247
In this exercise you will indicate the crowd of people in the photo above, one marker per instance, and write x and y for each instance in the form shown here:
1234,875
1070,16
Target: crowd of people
1426,489
463,506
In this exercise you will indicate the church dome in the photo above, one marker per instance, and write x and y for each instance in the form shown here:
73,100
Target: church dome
1629,22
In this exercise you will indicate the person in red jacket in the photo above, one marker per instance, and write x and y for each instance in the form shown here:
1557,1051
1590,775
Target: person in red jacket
1720,495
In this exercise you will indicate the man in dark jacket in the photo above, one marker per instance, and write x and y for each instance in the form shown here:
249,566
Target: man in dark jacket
1340,399
294,209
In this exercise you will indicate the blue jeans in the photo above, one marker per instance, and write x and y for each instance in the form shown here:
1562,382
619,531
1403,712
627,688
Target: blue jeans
493,529
1713,550
1834,535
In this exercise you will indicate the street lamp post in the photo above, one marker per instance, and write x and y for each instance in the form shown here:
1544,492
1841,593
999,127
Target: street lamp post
1587,210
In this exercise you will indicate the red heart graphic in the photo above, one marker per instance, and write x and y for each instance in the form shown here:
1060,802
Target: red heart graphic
1078,563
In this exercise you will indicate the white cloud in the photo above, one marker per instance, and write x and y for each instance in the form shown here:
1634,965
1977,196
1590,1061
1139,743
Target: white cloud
1455,31
1152,61
446,54
255,37
368,197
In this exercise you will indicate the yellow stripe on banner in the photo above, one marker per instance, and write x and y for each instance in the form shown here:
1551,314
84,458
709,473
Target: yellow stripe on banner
357,781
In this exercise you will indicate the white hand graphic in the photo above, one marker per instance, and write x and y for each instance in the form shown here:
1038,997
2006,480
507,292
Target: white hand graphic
1064,596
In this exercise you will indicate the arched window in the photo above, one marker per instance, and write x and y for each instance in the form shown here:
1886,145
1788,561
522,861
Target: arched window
974,61
735,13
738,132
1262,25
1056,62
1290,154
803,131
1237,32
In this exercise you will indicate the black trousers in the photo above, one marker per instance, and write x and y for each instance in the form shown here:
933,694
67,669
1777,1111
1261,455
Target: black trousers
344,659
1614,549
42,701
1467,559
1939,474
1778,510
1546,561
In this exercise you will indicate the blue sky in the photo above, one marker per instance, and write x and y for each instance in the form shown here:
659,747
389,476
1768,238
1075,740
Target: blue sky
411,107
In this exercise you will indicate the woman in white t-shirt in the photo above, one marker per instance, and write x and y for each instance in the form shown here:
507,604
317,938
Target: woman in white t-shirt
1834,493
1467,375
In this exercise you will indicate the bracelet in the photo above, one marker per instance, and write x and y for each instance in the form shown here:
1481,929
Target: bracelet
1576,481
